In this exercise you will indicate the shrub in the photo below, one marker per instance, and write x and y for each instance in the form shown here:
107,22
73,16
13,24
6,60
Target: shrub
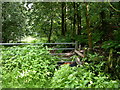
80,77
33,67
28,66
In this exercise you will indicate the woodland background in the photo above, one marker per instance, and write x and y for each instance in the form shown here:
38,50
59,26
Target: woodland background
95,26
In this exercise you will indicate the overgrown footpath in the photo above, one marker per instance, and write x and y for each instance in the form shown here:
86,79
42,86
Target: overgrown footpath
33,67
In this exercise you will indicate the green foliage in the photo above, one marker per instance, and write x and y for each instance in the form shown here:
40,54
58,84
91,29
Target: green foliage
35,19
97,63
80,77
13,20
0,74
110,44
32,66
29,66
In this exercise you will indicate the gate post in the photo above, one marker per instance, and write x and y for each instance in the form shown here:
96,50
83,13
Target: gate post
76,45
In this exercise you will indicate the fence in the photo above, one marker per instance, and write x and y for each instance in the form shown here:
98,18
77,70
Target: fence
12,44
59,54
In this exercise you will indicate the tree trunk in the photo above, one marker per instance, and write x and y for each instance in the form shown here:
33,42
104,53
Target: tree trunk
78,31
74,21
63,19
50,33
89,32
51,25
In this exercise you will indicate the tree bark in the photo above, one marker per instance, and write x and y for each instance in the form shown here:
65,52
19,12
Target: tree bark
89,32
78,31
50,33
74,19
51,25
63,19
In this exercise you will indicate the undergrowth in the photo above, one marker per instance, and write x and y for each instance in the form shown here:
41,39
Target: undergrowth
33,67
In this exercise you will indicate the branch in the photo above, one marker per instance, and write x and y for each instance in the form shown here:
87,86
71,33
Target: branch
80,54
113,7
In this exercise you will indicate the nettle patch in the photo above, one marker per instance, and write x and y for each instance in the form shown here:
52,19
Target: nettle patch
80,77
33,67
28,66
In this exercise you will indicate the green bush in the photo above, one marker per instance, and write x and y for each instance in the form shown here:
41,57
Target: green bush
28,66
33,67
80,77
110,44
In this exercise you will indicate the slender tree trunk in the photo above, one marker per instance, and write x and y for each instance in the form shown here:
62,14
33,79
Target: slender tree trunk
63,19
50,33
104,26
51,25
74,20
78,31
89,32
71,19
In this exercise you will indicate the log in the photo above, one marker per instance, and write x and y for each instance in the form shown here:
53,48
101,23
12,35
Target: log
80,54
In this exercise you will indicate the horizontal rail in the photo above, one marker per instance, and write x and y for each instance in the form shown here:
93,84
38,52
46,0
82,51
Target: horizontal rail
64,58
47,49
61,49
34,43
64,54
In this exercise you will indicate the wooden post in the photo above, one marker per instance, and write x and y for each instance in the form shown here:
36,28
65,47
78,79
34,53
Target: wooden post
79,47
76,45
